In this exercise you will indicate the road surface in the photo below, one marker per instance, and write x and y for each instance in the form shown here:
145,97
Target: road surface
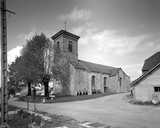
110,110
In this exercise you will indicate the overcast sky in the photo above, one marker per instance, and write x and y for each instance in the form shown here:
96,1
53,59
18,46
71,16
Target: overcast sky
120,33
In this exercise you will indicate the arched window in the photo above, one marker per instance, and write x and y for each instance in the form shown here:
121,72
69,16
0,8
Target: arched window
93,82
58,45
93,88
70,46
105,84
105,81
120,81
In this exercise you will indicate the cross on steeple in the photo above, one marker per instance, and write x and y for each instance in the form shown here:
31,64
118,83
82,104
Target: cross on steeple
65,25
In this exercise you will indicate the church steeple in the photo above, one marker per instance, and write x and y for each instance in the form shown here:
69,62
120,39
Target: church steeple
67,43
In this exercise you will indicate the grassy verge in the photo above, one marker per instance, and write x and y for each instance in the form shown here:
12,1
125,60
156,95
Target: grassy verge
131,100
39,99
10,108
23,119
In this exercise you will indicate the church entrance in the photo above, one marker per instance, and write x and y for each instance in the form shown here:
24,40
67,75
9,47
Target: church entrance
93,84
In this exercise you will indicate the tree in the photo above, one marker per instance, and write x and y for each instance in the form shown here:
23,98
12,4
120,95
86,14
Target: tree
33,54
15,74
30,66
60,70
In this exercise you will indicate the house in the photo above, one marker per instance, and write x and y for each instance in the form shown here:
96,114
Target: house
147,86
85,77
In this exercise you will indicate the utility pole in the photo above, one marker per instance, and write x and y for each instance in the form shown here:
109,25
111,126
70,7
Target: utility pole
4,94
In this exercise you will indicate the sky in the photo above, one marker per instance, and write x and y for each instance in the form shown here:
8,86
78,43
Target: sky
119,33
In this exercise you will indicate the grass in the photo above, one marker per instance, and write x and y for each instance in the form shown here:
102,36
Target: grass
59,121
66,98
10,108
136,102
23,119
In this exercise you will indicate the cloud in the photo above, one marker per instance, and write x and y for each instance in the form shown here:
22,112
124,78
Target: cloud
77,15
13,53
109,47
22,37
134,70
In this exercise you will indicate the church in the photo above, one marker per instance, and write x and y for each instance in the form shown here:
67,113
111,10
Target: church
84,77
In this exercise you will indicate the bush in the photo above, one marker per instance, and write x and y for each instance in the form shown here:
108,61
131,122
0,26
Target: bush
23,119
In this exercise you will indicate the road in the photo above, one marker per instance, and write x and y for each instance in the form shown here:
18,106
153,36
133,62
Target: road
110,110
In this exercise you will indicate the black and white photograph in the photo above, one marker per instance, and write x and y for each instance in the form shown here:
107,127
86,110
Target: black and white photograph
80,64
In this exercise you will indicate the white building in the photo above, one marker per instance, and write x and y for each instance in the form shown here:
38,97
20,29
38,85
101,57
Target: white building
147,86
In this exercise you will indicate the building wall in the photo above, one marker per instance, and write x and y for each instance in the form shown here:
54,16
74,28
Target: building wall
63,42
72,80
144,91
79,81
125,83
114,82
74,53
99,81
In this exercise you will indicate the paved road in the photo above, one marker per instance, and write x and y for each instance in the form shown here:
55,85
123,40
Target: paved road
110,110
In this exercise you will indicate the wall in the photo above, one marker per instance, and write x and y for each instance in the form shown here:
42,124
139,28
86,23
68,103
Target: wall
114,82
125,87
99,80
144,91
80,81
72,80
74,53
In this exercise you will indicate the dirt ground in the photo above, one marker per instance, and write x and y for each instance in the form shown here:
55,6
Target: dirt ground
111,110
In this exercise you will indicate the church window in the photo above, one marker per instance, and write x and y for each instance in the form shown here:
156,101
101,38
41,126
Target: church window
93,81
120,81
156,89
58,45
105,81
70,46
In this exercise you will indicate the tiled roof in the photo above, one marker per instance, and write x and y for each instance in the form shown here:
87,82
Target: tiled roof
92,67
151,62
63,32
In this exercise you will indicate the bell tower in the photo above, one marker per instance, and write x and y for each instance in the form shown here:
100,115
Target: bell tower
67,43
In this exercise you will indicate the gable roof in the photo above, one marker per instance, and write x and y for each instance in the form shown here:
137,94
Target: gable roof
92,67
142,77
151,62
63,32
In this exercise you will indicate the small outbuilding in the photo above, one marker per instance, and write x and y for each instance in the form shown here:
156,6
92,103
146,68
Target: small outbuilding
147,86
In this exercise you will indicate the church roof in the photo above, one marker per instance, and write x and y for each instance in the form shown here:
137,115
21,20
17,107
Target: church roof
63,32
151,62
92,67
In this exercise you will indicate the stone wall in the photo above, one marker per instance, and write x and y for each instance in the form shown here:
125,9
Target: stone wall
125,81
114,82
81,81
